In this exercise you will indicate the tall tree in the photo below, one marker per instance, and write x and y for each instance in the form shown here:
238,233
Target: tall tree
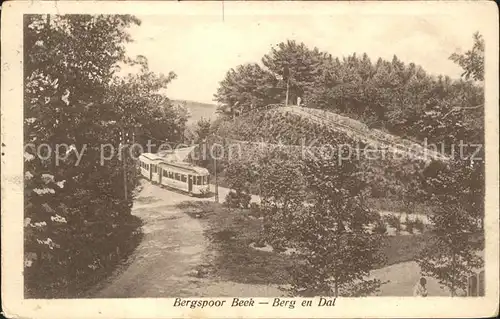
472,61
334,248
294,64
246,87
77,211
455,252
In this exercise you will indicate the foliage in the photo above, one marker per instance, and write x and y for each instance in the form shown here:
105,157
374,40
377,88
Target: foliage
394,221
409,224
202,130
472,61
282,196
419,224
78,221
391,95
335,251
237,199
138,104
240,177
380,227
245,88
294,62
453,255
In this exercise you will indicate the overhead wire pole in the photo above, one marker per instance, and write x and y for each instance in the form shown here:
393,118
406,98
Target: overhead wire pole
286,73
125,182
215,171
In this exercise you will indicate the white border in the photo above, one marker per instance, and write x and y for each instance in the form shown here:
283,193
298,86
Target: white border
485,12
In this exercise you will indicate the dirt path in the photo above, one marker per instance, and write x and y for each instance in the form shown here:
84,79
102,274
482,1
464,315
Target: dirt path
173,245
164,263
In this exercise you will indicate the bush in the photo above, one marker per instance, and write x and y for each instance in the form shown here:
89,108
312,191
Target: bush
409,225
237,199
419,224
380,227
394,222
255,209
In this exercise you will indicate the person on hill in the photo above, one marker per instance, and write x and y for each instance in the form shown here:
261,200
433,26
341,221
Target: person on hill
420,290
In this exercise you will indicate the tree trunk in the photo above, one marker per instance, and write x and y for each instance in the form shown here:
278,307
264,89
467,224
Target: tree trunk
125,190
336,288
287,89
452,286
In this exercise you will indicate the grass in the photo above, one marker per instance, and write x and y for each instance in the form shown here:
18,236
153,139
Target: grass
403,248
393,205
231,231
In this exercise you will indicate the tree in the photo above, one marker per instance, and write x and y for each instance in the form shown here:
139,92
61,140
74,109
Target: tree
137,103
334,248
78,210
472,61
244,88
71,205
296,65
202,130
240,176
454,254
281,188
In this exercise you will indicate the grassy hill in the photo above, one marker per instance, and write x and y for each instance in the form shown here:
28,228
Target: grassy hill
259,132
298,126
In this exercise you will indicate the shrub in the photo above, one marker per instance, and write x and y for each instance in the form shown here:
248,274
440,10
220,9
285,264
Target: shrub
237,199
419,224
409,225
255,209
394,222
380,227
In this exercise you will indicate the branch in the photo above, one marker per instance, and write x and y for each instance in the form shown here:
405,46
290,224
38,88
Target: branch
457,108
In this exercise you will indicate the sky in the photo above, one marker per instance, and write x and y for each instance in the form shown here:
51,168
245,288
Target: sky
200,49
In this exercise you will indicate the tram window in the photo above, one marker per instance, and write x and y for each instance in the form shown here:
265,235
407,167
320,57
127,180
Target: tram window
171,175
198,180
183,178
165,173
208,179
177,177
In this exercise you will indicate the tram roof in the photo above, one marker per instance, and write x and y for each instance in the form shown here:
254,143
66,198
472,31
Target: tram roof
185,166
176,159
151,156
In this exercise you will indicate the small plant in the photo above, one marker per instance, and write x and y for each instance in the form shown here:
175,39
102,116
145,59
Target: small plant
410,224
394,222
419,224
380,227
261,242
237,199
255,210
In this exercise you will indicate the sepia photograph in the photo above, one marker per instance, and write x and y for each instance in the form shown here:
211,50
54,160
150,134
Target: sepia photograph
244,159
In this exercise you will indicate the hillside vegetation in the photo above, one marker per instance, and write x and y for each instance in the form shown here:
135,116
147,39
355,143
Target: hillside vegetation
351,102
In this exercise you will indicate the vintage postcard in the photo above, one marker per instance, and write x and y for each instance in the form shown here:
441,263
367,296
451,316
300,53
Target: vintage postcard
249,159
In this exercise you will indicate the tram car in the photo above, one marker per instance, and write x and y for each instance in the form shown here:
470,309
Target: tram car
183,176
